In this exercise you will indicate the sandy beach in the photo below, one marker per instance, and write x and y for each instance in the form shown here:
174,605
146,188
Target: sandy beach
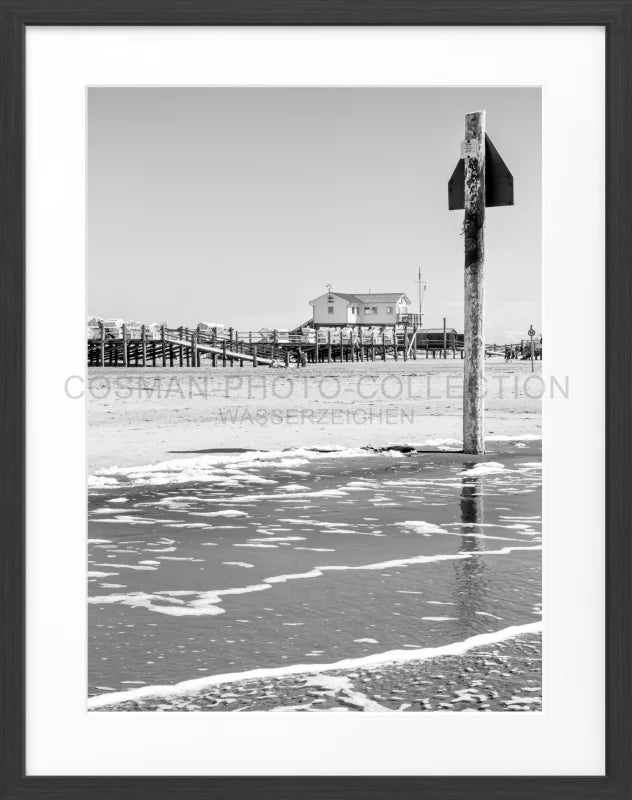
138,416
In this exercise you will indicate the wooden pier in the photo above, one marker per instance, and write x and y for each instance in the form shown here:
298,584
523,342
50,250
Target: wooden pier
185,347
180,347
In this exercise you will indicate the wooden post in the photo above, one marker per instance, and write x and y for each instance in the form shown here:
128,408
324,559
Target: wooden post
143,336
406,341
361,342
474,230
383,343
316,345
224,352
164,346
329,346
373,344
254,354
102,344
124,331
445,339
194,351
180,350
395,340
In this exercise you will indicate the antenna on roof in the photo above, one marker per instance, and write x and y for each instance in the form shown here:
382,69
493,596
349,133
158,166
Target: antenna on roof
422,290
330,298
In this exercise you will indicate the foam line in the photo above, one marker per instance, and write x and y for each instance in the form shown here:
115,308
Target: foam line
377,659
206,602
226,469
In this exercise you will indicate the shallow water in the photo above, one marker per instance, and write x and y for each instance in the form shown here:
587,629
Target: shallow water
225,564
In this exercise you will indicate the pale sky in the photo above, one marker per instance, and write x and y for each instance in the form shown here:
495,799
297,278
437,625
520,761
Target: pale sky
239,205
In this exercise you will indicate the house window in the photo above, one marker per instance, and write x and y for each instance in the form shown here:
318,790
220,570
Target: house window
374,310
389,309
330,309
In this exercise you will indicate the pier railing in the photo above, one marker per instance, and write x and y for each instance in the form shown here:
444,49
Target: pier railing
152,345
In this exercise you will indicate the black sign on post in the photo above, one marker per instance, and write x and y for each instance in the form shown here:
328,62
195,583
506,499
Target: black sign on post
498,181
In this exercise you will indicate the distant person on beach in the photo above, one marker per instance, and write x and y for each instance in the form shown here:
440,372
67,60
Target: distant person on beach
301,358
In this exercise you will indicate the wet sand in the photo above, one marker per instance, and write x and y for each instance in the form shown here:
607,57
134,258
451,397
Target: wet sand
503,677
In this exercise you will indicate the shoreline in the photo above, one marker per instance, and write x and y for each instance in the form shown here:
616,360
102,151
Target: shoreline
504,675
394,658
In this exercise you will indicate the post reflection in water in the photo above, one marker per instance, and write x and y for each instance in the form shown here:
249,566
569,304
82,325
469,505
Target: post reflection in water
471,580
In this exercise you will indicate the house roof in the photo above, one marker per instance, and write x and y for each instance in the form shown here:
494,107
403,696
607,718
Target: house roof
382,297
350,298
379,297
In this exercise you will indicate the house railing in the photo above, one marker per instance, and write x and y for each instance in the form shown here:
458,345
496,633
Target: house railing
409,319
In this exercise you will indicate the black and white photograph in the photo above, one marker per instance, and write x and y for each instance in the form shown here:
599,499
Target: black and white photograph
314,399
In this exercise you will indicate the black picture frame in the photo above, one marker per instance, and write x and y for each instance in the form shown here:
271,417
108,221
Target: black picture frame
616,17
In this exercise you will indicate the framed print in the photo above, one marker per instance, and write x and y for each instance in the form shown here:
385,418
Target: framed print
315,420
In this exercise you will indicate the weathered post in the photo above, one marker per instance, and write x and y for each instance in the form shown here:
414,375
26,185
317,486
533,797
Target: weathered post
316,345
406,341
254,355
124,331
164,346
474,231
328,346
143,336
102,344
445,339
395,340
531,335
383,343
194,350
